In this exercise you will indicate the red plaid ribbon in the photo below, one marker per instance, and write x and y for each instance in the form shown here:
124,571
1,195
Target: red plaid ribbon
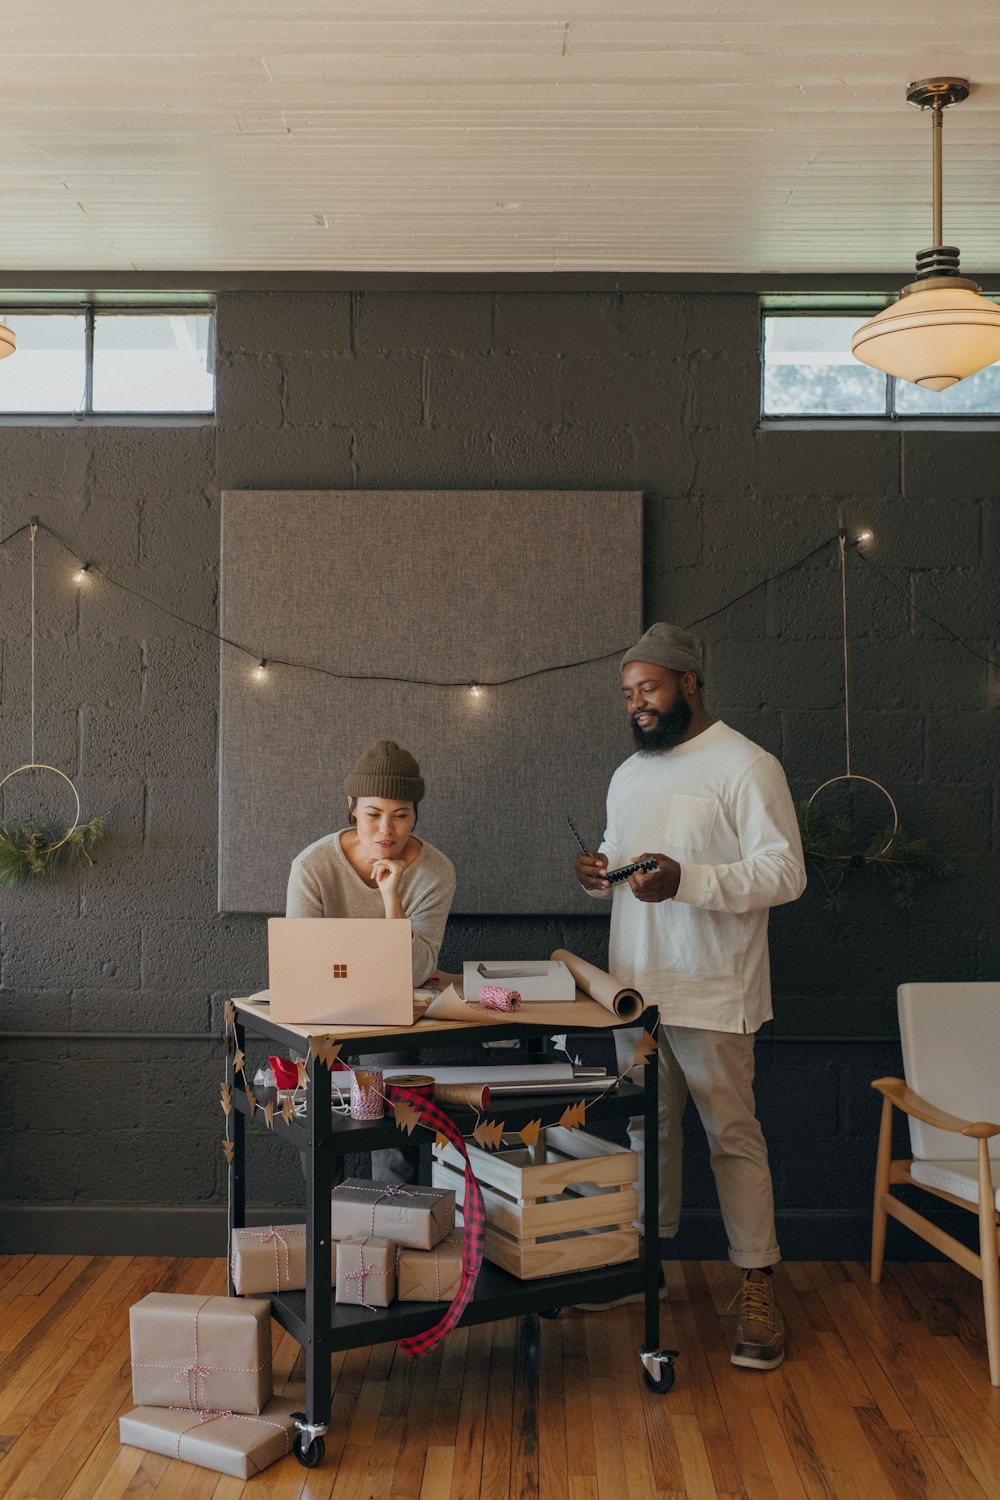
474,1214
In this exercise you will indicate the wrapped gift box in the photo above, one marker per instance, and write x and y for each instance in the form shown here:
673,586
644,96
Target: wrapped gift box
366,1271
272,1259
231,1444
430,1275
417,1217
201,1352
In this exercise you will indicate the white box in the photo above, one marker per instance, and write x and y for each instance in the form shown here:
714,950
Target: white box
546,981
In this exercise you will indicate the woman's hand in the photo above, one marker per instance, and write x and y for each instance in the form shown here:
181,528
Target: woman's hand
386,874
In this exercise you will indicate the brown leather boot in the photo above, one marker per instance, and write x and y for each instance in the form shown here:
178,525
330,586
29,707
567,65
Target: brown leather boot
760,1328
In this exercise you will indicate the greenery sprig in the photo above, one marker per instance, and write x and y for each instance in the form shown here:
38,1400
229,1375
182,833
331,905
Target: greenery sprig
831,845
26,852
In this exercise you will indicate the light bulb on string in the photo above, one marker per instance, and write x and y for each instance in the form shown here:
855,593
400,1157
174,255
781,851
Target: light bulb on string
475,691
865,536
260,670
81,574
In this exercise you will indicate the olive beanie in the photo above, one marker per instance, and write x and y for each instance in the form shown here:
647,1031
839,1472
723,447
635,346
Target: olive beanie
386,771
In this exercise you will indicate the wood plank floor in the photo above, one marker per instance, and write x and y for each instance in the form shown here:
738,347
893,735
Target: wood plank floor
884,1393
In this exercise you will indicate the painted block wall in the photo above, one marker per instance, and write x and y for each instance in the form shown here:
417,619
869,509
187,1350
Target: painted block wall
413,389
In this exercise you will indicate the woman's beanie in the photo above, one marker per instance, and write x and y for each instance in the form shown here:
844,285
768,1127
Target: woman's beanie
386,771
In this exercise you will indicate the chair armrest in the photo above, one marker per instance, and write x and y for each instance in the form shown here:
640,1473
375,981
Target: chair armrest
910,1103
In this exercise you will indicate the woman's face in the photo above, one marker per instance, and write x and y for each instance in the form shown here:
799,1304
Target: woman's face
383,826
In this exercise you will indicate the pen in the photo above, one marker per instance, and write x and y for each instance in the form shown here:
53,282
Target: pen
577,836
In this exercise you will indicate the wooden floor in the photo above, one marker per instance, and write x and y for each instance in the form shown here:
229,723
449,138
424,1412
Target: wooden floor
884,1393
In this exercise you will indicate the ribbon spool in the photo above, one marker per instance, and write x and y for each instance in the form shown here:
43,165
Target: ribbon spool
367,1103
853,776
496,997
39,766
414,1083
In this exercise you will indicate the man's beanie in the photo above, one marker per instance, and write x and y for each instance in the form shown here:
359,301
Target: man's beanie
386,771
666,646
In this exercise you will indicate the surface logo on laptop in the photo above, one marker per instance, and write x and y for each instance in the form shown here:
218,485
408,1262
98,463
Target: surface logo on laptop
340,971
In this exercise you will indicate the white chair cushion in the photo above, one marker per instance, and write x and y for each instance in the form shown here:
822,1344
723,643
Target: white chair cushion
959,1178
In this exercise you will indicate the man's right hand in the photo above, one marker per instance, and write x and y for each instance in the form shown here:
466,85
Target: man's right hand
590,871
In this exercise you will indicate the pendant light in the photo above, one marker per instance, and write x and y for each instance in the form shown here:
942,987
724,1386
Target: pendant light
941,329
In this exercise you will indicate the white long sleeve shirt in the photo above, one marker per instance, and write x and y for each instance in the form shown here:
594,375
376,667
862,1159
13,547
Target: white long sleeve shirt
720,806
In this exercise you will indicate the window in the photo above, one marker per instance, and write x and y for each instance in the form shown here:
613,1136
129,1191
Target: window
95,361
809,371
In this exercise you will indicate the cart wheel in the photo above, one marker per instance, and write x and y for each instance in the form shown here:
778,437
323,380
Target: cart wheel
309,1457
550,1312
663,1382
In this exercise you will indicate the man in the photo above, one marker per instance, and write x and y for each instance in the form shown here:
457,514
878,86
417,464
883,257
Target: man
714,810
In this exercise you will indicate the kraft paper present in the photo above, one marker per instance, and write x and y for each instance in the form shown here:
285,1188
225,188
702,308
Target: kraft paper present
430,1275
366,1272
224,1441
270,1259
417,1217
201,1352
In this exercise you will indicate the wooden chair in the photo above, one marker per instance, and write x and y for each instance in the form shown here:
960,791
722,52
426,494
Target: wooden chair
951,1054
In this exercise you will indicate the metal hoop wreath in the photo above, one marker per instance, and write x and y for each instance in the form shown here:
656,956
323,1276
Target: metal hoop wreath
32,765
853,776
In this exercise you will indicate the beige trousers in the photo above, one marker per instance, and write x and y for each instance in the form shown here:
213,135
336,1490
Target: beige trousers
716,1068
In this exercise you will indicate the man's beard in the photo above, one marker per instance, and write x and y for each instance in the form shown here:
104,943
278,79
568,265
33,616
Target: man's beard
668,731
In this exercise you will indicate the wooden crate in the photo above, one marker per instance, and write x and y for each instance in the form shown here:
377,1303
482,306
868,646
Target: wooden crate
574,1212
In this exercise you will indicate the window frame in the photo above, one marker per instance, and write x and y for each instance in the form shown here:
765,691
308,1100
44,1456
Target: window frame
861,307
85,415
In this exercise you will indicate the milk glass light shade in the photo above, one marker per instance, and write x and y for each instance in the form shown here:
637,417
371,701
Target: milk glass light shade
933,336
8,342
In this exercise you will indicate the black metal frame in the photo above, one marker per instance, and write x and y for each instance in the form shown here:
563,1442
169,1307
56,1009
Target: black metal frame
321,1325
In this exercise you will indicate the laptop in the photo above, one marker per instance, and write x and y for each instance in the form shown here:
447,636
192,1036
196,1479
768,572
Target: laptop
352,971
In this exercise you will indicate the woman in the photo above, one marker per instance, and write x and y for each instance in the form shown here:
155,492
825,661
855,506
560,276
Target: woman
377,868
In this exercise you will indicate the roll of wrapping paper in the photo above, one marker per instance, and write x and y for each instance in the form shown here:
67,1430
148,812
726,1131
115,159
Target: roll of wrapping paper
496,997
625,1002
475,1095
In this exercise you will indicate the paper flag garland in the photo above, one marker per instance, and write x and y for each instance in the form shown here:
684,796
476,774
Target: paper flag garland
268,1112
303,1076
406,1116
326,1049
251,1101
228,1148
644,1047
489,1134
573,1115
287,1109
239,1061
227,1098
364,1081
229,1011
440,1140
529,1134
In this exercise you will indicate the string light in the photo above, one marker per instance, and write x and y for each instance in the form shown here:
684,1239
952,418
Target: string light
476,689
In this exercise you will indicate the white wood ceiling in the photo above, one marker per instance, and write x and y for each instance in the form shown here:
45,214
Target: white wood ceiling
518,135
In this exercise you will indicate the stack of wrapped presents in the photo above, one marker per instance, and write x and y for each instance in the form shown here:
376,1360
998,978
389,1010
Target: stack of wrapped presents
390,1244
201,1380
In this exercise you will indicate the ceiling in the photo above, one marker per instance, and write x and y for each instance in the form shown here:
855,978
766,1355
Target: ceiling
513,135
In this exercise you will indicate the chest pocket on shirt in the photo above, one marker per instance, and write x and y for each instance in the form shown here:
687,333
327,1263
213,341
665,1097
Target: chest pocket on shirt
690,822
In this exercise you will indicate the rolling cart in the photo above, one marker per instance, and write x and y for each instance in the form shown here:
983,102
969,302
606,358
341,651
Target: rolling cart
323,1326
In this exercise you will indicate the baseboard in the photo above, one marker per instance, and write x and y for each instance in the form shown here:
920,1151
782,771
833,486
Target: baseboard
124,1229
135,1229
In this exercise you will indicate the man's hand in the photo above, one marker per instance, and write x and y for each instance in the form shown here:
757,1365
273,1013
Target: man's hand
660,884
590,870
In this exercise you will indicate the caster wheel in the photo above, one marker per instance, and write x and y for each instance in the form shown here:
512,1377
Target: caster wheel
665,1381
311,1456
550,1312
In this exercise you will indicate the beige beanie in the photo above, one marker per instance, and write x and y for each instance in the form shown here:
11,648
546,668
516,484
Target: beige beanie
666,646
386,771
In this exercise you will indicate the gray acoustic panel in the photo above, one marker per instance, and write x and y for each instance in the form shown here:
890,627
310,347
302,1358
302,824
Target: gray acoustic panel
454,586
